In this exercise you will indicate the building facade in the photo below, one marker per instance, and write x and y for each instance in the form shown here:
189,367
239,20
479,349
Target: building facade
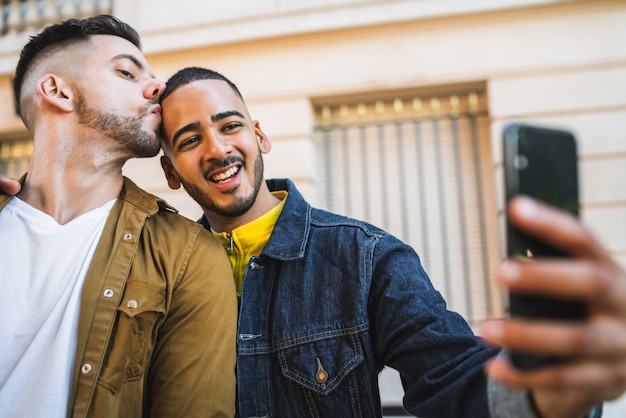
390,111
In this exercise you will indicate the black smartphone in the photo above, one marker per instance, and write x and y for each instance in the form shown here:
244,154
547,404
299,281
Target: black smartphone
542,163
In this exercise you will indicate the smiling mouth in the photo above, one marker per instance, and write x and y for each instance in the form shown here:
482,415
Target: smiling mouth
225,176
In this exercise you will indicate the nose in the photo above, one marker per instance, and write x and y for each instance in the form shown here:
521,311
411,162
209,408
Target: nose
216,147
154,89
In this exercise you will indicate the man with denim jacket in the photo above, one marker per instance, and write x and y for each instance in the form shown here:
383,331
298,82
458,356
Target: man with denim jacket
327,301
112,305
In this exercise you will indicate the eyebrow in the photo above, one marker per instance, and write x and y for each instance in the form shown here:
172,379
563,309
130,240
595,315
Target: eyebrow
196,125
223,115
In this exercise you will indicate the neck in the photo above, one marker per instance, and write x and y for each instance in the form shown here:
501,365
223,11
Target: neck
264,202
67,185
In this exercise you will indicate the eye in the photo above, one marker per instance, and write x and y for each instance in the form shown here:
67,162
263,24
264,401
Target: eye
188,143
231,126
126,74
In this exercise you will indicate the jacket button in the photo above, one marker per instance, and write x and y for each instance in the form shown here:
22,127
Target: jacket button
128,237
108,293
86,368
321,375
132,304
255,266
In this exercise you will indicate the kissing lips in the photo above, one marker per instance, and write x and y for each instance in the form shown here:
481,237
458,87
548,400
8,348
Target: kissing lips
156,109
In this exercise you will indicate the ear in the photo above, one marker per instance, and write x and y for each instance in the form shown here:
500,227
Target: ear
54,91
264,143
170,173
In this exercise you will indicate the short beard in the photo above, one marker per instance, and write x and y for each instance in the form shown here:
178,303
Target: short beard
237,208
125,130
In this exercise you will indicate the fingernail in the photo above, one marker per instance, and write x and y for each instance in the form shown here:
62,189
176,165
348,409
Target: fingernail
509,272
527,207
492,330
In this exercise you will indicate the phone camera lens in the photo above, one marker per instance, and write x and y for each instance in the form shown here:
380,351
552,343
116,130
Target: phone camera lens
520,162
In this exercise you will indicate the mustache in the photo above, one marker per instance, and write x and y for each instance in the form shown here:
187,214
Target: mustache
216,165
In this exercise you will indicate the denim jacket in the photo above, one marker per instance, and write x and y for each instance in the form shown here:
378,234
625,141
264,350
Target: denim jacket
327,304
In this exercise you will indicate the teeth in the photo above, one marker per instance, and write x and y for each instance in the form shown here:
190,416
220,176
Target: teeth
223,176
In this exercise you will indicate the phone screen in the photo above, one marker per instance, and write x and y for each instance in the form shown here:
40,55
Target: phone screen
541,163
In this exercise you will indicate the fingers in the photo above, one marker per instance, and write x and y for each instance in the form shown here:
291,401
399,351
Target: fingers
591,275
603,339
596,346
602,286
571,279
555,227
8,185
544,337
600,381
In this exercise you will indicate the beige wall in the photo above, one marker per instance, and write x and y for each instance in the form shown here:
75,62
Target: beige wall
560,63
553,62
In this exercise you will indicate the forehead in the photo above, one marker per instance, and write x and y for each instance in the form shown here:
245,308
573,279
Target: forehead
208,92
109,47
200,97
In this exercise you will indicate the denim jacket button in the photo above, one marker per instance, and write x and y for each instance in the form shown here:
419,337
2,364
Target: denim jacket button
255,266
321,376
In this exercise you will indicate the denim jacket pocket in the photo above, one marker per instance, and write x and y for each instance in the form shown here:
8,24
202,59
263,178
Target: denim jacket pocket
141,310
321,365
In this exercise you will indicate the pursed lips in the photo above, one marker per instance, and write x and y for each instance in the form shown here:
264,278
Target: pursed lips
156,109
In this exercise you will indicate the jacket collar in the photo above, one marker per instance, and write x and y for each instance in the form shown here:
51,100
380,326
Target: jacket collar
291,232
143,200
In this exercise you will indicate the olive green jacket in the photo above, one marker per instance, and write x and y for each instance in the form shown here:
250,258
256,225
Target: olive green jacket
158,317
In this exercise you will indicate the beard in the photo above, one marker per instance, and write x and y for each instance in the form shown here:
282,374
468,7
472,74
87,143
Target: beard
240,205
127,131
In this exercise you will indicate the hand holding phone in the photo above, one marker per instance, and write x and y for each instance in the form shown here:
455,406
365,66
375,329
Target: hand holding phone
541,163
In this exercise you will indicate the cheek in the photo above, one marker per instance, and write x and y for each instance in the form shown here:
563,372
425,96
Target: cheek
188,165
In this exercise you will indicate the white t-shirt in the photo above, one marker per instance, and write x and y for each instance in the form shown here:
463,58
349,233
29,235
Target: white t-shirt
42,269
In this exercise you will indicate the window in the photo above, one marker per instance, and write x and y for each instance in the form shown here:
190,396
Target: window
419,165
14,157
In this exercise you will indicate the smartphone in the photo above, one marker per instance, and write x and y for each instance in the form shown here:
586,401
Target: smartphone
542,163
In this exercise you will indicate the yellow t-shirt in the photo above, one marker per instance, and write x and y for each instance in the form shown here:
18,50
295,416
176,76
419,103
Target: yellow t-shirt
249,240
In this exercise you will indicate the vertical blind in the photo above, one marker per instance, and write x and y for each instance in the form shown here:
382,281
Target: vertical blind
421,168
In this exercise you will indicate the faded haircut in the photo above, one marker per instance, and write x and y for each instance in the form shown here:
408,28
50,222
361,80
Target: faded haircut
59,35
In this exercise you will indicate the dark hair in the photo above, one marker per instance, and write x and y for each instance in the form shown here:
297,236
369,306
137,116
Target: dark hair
68,31
190,74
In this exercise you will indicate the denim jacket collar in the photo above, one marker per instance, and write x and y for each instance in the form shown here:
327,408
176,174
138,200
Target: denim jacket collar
292,225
